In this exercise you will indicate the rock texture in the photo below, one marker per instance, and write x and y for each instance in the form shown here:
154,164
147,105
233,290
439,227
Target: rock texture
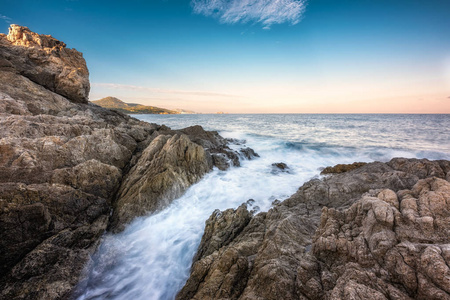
66,165
46,61
342,168
380,231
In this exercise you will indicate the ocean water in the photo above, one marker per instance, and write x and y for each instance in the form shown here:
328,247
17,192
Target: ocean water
151,258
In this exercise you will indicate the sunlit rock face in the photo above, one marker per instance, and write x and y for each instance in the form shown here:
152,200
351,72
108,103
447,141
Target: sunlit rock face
47,62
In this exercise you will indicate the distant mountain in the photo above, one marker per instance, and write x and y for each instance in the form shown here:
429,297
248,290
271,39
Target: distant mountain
132,108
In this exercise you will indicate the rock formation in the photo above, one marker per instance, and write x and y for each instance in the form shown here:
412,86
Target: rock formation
380,231
342,168
377,231
47,62
66,163
168,166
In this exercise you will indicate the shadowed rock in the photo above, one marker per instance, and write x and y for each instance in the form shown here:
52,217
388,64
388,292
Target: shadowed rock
248,153
280,168
166,168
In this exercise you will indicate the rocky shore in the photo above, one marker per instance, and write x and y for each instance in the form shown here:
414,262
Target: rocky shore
66,165
378,231
71,170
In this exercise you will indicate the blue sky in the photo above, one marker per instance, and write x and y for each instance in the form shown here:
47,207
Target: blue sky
256,56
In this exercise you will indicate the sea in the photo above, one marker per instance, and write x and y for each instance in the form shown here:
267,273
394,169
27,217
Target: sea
151,258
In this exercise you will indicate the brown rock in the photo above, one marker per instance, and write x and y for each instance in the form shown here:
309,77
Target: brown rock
62,163
50,64
166,168
377,232
342,168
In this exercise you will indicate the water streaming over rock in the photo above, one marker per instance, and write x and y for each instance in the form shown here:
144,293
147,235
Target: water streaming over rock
152,257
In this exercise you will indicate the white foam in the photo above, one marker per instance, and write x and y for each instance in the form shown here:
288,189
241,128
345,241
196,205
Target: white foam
151,259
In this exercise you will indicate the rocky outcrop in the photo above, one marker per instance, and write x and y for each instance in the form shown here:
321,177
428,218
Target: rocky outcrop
172,161
388,245
377,232
222,156
45,61
342,168
66,165
166,168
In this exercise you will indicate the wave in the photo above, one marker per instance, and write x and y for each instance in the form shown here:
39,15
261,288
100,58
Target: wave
151,258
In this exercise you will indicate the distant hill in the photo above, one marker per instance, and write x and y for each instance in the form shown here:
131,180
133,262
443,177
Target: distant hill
132,108
184,111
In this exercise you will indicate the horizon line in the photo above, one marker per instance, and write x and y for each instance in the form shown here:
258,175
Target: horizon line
304,113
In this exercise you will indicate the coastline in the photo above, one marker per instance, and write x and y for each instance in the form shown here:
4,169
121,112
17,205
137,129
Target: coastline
71,171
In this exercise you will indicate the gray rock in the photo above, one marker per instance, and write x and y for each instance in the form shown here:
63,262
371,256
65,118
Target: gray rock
248,153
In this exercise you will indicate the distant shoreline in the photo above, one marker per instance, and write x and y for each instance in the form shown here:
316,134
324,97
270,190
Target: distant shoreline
294,114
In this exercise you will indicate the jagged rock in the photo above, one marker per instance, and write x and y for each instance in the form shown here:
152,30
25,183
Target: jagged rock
422,168
402,247
342,168
377,232
224,159
280,168
248,153
222,156
222,228
63,161
207,139
166,168
46,61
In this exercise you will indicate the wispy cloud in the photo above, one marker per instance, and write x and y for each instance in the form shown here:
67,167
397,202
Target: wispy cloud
266,12
5,18
118,86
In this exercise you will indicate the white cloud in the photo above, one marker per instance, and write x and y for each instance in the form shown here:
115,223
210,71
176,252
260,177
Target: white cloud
118,86
266,12
5,18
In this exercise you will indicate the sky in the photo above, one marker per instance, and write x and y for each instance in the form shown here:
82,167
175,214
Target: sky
256,56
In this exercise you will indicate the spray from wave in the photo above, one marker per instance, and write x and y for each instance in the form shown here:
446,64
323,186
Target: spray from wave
151,259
